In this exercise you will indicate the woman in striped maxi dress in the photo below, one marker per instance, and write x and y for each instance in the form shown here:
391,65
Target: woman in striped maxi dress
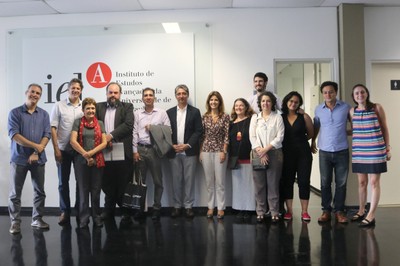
371,150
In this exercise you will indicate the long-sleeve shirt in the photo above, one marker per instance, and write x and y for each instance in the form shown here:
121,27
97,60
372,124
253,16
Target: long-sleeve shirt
264,132
216,134
143,118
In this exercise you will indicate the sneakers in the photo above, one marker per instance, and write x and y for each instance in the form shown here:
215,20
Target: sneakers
39,223
305,217
15,228
288,216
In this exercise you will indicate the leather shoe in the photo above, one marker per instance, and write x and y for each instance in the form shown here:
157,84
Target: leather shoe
15,228
156,215
126,219
175,213
325,217
367,223
64,219
98,222
341,218
189,213
106,215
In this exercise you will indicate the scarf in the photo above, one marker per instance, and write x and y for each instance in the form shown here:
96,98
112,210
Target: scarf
97,138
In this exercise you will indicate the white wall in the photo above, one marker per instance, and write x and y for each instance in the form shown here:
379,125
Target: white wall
382,45
244,41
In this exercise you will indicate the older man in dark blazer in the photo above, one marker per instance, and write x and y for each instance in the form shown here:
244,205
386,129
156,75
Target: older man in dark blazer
187,129
118,121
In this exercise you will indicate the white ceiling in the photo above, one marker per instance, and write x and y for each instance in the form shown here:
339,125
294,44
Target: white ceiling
10,8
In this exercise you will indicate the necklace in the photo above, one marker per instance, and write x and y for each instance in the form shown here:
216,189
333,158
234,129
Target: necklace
239,133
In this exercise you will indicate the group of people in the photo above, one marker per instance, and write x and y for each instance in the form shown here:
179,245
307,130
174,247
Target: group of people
278,133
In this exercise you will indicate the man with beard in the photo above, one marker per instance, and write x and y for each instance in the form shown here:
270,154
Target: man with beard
260,82
118,122
62,118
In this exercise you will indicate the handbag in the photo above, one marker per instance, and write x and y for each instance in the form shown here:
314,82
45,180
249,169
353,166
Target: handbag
233,162
135,194
256,162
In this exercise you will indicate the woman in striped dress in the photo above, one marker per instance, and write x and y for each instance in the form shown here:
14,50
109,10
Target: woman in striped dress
371,150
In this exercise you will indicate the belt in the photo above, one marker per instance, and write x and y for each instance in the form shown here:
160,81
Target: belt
145,145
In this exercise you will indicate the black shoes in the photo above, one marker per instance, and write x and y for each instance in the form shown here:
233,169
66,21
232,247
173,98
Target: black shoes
189,213
156,214
367,223
175,213
64,219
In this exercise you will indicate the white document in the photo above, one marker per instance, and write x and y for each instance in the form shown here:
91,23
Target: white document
116,153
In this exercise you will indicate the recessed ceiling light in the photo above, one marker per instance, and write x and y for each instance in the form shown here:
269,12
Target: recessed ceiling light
171,27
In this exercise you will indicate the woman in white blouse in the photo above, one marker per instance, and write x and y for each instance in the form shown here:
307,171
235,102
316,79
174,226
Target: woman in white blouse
266,136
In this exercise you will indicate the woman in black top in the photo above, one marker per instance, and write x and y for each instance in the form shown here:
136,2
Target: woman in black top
297,154
239,145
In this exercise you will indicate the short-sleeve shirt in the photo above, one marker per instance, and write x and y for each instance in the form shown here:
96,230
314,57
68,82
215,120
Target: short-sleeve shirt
62,117
88,134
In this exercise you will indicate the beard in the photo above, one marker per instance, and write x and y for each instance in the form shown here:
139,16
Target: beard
113,103
260,88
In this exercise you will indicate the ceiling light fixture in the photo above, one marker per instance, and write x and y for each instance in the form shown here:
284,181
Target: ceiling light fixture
171,27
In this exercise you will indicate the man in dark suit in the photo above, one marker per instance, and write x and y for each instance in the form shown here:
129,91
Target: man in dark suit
118,121
187,129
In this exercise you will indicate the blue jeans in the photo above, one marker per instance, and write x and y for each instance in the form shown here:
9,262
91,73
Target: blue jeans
64,171
17,180
329,162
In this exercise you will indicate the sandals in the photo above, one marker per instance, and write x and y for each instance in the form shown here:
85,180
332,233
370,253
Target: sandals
367,223
275,218
260,218
357,217
210,214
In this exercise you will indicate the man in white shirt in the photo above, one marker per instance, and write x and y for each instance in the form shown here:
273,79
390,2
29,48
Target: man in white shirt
260,82
187,128
62,118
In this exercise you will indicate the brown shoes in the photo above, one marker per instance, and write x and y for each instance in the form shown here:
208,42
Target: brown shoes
325,217
64,219
341,218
